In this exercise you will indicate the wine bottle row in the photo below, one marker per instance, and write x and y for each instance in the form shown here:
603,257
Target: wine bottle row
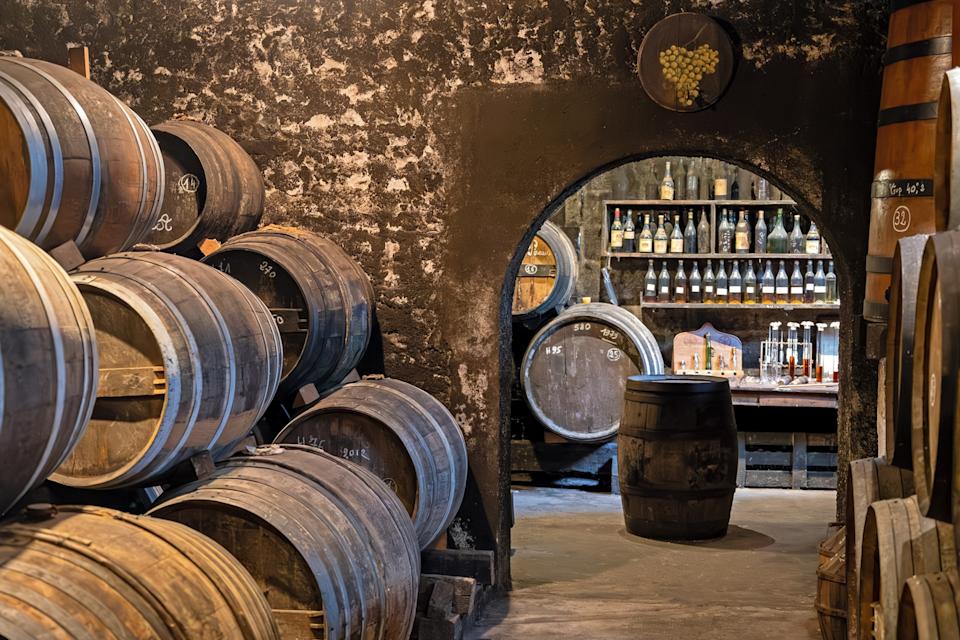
705,179
812,286
743,235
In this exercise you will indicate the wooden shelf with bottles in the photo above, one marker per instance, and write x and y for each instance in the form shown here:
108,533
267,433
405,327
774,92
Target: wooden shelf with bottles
785,306
721,256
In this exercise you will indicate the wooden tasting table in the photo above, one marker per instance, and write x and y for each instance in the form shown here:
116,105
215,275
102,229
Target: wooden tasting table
820,396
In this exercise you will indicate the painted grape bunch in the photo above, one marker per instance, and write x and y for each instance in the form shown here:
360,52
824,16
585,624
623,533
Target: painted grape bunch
685,68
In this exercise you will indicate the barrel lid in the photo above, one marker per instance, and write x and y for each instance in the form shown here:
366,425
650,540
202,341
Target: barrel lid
676,384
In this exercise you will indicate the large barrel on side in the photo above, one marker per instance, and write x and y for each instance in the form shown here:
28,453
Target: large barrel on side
677,453
321,299
213,188
403,435
918,53
898,380
75,162
946,170
935,374
869,480
930,607
86,573
548,273
898,542
575,370
189,361
48,366
318,534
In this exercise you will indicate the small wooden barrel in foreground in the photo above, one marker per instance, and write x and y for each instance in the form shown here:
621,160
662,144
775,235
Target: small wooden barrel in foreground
831,603
321,536
403,435
48,366
321,299
75,162
85,573
547,275
677,452
930,607
575,370
189,361
213,188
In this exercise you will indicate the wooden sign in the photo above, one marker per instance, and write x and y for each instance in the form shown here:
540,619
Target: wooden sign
690,354
686,62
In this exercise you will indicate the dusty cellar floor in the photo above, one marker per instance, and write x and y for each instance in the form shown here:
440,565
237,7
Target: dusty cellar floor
578,574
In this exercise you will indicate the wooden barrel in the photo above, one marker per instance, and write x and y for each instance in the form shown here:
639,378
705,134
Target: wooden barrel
898,379
48,366
548,273
868,480
930,607
318,534
898,542
321,299
88,573
189,361
834,543
75,162
575,370
918,53
946,171
935,374
403,435
831,603
213,188
677,454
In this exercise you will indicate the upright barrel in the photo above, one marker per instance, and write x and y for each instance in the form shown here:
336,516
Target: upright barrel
189,361
575,370
548,273
930,607
213,188
318,534
403,435
75,162
677,452
831,603
48,367
918,53
86,573
321,299
898,542
898,380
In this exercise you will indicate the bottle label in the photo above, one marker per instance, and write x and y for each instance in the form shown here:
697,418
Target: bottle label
751,291
721,292
666,192
616,239
783,290
735,290
651,288
664,289
820,289
646,245
796,290
809,287
767,289
813,246
743,242
676,246
679,290
629,235
708,289
695,288
659,246
720,188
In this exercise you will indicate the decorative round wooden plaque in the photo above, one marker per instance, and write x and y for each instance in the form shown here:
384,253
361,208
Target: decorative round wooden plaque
685,62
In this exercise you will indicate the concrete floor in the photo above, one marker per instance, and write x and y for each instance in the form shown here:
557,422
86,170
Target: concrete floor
578,574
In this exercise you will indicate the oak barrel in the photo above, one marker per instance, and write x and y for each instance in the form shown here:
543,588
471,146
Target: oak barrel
75,162
189,361
898,379
575,370
88,573
403,435
930,607
831,603
868,480
918,53
48,366
317,533
946,171
677,454
898,542
213,188
547,275
321,299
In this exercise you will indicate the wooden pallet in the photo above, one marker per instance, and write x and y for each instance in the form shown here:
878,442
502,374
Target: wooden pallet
787,460
530,459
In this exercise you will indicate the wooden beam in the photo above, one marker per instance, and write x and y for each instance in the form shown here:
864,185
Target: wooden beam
78,60
470,563
131,381
296,623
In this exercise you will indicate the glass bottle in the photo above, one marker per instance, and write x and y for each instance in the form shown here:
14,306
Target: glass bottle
709,284
783,285
660,241
663,289
724,234
680,182
651,186
736,284
734,185
667,225
742,234
706,184
777,241
760,234
833,296
650,283
750,285
763,189
695,282
703,234
720,187
813,239
676,238
796,284
680,284
722,291
819,285
693,181
616,232
808,285
629,234
796,235
768,286
646,236
690,235
666,186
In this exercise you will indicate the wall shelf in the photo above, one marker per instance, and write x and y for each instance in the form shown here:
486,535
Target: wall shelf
700,203
721,256
739,306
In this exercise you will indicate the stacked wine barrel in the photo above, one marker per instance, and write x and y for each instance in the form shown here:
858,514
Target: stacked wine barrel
547,275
